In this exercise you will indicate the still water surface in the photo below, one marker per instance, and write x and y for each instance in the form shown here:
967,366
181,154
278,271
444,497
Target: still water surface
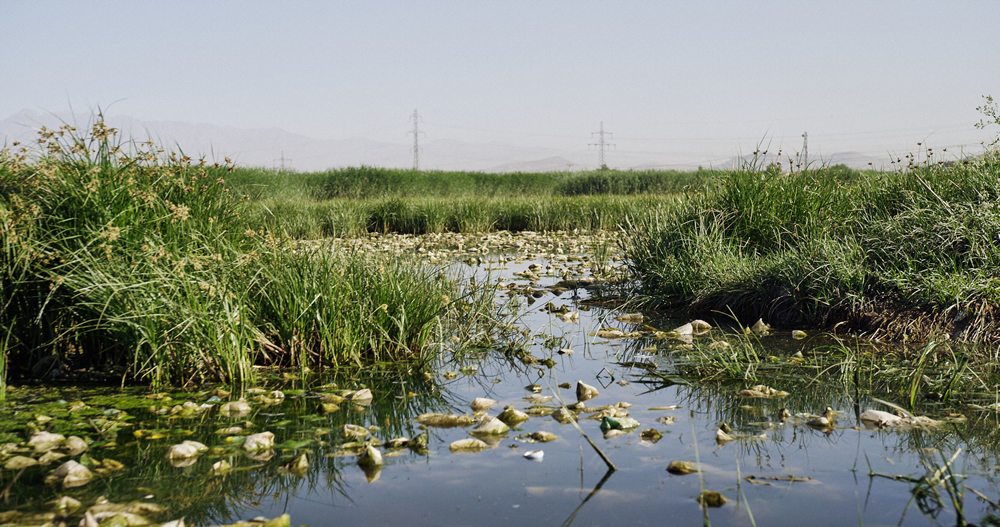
820,477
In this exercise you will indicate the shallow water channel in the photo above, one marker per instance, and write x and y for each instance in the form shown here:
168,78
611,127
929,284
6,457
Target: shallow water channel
772,472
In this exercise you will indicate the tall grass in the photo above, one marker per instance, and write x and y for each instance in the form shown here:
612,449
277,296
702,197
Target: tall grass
128,260
820,246
421,215
350,201
366,182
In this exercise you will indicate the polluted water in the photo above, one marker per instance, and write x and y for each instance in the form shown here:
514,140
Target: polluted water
595,415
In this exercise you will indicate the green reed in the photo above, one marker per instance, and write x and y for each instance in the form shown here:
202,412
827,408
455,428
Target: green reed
823,246
129,261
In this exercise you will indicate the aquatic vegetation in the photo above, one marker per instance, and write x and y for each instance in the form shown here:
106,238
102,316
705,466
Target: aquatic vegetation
125,261
902,252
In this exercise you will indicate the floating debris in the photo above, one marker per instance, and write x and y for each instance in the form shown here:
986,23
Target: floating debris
235,409
762,391
512,416
710,498
298,465
419,443
184,454
680,331
361,397
481,404
585,392
490,426
19,462
722,436
681,468
332,398
563,415
230,431
258,442
468,445
445,420
543,437
700,326
534,455
570,317
370,457
398,442
221,467
540,411
609,333
650,434
352,432
880,419
72,474
630,318
613,423
65,505
45,441
824,421
759,327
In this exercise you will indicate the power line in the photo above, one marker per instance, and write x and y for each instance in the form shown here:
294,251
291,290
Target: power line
283,159
416,139
805,150
601,145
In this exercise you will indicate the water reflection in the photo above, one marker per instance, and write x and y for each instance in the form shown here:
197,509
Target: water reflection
797,474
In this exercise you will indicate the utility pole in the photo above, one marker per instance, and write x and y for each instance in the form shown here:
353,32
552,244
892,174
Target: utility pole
805,150
601,145
416,139
283,159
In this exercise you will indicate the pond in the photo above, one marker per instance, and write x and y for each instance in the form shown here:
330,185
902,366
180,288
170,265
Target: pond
769,469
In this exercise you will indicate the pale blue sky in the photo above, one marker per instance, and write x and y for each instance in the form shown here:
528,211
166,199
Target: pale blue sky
695,80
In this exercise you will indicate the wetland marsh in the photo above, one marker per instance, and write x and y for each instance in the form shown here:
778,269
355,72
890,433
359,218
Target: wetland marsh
176,350
772,470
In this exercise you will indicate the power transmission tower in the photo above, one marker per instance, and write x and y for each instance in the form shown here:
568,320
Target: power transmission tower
601,145
283,159
805,150
416,139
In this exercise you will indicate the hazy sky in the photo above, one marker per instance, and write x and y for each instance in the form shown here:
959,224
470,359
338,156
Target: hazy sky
698,80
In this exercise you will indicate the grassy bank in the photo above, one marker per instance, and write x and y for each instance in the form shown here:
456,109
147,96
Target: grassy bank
377,183
422,215
913,251
143,265
365,199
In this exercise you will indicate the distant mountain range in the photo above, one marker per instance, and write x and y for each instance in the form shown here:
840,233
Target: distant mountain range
273,147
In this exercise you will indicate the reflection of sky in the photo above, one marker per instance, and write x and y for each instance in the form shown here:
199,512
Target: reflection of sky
499,487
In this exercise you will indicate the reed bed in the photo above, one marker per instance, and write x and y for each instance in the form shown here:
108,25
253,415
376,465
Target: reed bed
421,215
352,201
364,183
129,261
912,251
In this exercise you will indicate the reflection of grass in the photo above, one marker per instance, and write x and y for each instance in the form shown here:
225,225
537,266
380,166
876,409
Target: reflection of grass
921,376
208,500
926,490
